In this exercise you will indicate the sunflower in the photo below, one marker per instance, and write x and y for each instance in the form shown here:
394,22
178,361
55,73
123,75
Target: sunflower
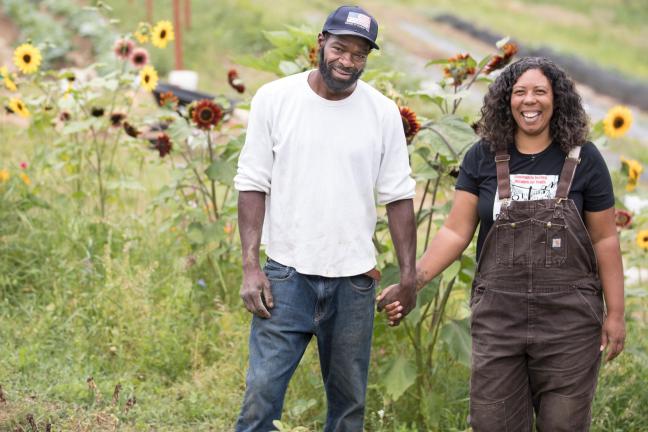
130,130
123,48
25,178
18,107
27,58
617,121
139,58
633,170
148,77
411,125
162,34
4,175
65,116
642,239
143,32
206,114
6,78
234,80
622,218
499,61
168,100
97,111
116,119
313,56
163,144
459,67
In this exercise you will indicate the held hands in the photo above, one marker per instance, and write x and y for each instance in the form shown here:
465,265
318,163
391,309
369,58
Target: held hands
256,292
613,336
398,300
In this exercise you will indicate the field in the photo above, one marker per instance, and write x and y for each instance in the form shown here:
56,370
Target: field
120,265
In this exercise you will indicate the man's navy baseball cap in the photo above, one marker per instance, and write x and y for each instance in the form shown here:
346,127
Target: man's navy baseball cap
354,21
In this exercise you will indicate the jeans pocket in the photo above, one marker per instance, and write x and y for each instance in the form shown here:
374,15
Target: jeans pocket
591,296
487,417
362,282
277,272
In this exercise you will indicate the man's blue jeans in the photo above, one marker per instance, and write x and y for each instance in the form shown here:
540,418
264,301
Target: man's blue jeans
339,312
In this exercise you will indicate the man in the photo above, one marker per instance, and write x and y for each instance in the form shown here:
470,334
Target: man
319,146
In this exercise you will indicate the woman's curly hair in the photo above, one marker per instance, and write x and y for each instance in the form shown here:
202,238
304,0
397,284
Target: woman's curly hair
569,123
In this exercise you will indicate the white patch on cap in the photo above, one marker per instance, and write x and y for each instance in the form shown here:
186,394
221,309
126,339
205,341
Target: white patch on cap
358,19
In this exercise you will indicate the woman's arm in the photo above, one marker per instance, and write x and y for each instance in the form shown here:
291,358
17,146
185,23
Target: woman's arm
446,246
605,240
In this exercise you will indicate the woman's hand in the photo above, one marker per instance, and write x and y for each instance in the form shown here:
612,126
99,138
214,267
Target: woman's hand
613,336
394,311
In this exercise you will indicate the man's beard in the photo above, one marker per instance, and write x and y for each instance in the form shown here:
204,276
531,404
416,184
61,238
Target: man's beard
334,84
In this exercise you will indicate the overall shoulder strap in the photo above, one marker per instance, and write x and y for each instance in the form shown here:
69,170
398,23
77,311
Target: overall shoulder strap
503,181
567,175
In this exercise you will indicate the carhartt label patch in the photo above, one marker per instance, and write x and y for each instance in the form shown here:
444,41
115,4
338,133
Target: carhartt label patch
556,243
358,19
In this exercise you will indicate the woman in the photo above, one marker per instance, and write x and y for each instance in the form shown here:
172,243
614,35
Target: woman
547,249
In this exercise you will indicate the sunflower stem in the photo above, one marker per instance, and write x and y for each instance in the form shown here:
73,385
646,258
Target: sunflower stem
434,197
212,182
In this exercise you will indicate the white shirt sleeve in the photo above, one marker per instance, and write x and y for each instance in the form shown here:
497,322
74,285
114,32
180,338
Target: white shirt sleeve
254,171
394,181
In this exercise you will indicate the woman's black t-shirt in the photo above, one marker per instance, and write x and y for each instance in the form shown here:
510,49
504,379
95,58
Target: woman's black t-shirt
533,177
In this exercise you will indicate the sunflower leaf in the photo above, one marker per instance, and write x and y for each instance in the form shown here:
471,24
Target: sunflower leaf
221,171
400,376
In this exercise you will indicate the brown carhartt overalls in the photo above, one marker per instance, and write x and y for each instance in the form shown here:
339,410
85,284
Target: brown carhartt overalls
537,312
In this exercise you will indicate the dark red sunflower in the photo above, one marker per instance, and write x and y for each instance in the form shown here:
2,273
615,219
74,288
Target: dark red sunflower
163,144
206,114
139,58
234,80
97,111
313,56
116,119
131,130
123,48
622,218
459,68
499,61
410,124
64,116
168,100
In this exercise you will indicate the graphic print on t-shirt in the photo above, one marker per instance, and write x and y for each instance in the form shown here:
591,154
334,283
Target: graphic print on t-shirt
528,187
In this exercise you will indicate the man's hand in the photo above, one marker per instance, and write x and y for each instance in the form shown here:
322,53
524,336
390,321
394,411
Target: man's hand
256,293
398,300
613,336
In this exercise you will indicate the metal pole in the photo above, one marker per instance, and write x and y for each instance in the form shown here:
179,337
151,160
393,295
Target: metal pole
187,14
178,34
149,11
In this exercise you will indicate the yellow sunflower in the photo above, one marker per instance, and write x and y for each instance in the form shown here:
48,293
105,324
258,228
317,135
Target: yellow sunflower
6,78
642,239
17,106
25,178
143,32
162,34
617,121
633,169
4,175
27,58
148,77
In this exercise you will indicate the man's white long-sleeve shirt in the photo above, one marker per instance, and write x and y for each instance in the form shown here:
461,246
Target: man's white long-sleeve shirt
322,164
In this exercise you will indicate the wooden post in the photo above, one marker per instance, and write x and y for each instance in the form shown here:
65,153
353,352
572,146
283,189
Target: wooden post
178,35
149,11
187,14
